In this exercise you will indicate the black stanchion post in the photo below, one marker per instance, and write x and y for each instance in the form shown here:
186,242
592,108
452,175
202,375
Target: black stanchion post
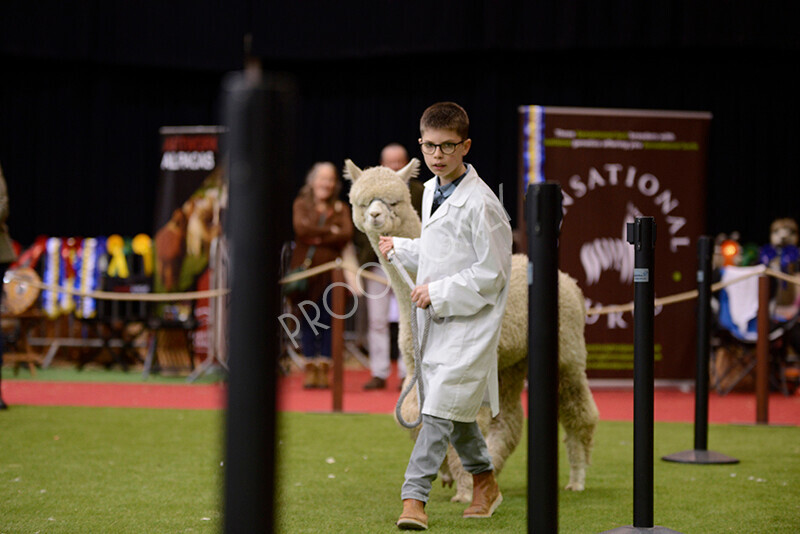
704,252
544,218
642,235
700,454
258,116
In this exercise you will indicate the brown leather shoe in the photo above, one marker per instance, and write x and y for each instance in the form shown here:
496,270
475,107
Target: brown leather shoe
413,516
486,495
311,372
375,383
322,373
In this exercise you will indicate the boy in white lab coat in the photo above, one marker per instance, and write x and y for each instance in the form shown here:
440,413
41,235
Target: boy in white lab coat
463,264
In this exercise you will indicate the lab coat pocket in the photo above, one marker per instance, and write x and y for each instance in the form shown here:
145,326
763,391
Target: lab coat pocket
445,341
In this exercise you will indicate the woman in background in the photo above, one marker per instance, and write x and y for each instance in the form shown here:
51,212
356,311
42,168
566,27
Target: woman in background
323,222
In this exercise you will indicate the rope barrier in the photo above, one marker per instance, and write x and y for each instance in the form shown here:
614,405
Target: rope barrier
187,295
329,266
113,295
602,310
338,263
689,295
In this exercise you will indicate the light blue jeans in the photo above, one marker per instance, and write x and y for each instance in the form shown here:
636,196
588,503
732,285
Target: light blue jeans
430,450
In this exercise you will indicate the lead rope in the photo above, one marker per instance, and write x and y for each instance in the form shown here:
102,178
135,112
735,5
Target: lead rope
418,344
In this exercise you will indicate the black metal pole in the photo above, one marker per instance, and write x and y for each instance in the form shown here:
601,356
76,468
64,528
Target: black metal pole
544,218
257,114
704,252
701,454
642,235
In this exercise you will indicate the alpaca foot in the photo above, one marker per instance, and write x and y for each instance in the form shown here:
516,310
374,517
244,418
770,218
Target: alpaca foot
577,479
462,495
447,480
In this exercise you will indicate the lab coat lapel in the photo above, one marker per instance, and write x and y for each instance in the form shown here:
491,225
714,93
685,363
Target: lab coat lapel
459,196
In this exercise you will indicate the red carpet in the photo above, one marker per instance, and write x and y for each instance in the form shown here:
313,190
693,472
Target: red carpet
614,405
43,393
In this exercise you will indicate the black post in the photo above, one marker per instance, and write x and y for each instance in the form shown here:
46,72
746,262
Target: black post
704,252
258,116
544,218
642,235
701,454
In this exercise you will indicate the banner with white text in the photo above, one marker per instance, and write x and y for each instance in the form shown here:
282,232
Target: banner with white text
614,165
191,197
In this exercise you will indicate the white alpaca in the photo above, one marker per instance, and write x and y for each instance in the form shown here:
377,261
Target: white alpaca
382,206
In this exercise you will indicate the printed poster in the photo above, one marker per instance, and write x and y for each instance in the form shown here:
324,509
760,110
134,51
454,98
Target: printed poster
192,197
614,165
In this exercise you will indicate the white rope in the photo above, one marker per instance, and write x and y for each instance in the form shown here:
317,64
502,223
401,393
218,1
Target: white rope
329,266
113,295
689,295
418,343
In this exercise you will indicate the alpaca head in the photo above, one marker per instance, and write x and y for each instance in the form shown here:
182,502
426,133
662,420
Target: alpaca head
381,201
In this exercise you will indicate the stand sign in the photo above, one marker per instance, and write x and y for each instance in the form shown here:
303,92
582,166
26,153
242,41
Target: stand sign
614,165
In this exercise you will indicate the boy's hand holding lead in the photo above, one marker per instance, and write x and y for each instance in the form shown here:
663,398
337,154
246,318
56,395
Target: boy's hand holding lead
385,244
421,297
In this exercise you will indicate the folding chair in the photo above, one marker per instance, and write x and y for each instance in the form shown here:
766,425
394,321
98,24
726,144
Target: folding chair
736,334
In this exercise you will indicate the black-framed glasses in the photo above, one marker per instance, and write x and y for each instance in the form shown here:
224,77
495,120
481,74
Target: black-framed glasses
447,147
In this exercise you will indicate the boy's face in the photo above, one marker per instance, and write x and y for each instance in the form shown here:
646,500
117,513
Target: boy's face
447,167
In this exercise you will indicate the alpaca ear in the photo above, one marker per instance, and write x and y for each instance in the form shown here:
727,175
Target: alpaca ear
351,171
409,171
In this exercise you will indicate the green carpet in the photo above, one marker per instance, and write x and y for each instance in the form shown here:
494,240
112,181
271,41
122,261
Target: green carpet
78,470
359,490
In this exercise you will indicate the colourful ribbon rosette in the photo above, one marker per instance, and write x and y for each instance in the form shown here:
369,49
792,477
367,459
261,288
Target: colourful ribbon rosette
143,246
70,256
52,275
117,263
89,274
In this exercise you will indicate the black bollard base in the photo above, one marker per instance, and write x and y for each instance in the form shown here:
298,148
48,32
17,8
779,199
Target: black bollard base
697,456
655,530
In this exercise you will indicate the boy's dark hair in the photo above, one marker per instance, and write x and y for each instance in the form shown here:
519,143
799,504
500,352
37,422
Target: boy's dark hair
445,116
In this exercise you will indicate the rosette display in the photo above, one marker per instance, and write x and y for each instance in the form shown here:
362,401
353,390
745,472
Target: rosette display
52,275
89,273
70,258
117,262
142,245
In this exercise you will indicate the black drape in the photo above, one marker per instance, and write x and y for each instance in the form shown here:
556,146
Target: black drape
86,85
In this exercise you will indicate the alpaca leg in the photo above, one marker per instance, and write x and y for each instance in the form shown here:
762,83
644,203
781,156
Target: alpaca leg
578,415
504,434
505,430
462,479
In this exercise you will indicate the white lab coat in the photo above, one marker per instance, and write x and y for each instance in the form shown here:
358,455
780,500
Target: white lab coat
464,255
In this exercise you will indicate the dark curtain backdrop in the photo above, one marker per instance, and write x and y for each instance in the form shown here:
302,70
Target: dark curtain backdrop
86,85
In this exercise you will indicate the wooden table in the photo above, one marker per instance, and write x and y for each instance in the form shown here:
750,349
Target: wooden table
18,351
